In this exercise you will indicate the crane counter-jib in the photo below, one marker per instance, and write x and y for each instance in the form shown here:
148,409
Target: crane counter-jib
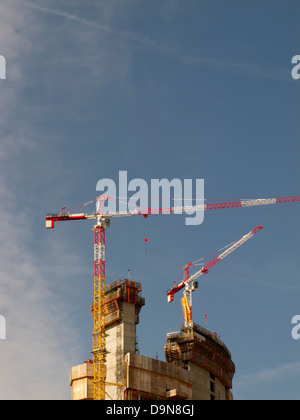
51,218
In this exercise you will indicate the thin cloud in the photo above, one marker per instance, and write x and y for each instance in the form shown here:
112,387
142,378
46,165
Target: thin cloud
35,358
37,331
104,28
269,375
213,64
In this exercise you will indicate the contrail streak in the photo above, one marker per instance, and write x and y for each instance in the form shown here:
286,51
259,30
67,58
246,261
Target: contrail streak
204,62
104,28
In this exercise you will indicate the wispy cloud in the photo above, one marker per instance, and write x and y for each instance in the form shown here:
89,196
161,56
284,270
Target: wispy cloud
269,375
35,357
108,29
246,69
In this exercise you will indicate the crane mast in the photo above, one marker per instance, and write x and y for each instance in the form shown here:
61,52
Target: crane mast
99,341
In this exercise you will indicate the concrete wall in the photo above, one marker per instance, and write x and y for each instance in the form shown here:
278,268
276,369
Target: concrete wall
150,378
81,382
120,339
154,377
205,386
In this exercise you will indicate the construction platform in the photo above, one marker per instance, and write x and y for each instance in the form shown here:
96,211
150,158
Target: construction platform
199,350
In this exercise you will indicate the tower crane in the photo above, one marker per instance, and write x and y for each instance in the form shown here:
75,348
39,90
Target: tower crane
102,223
189,283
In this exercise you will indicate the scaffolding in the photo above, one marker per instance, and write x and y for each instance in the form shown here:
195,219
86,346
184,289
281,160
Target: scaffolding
118,292
198,345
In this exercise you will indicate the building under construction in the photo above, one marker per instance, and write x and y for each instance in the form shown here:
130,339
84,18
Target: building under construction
198,365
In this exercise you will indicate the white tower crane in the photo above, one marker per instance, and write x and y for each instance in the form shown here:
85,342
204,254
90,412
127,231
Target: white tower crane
189,283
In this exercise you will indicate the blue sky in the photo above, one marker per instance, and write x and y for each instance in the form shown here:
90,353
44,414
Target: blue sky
161,89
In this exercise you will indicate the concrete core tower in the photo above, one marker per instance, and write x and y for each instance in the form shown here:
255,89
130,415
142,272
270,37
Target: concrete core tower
123,305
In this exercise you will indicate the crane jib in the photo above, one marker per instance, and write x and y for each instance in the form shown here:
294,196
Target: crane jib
205,269
56,217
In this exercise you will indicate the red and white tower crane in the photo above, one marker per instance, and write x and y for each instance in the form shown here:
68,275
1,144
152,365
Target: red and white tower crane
189,283
103,222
